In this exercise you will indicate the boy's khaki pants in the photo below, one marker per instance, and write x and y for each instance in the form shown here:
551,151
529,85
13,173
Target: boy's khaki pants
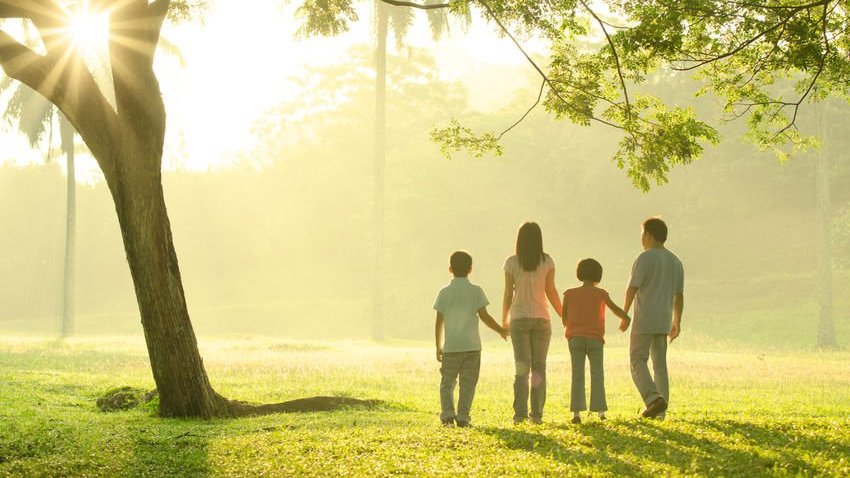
465,365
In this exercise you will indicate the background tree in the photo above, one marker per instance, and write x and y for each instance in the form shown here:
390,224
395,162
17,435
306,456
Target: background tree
35,116
744,52
399,20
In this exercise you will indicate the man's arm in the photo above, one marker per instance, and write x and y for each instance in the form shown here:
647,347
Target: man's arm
507,298
438,336
489,321
552,293
631,292
678,307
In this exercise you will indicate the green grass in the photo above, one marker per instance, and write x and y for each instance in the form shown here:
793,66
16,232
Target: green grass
733,413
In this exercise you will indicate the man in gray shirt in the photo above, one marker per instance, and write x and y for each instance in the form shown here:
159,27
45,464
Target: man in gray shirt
657,282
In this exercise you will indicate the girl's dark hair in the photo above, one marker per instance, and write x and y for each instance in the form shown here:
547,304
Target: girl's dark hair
529,246
589,270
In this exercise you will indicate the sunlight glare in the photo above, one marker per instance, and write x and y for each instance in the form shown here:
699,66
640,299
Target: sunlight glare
89,31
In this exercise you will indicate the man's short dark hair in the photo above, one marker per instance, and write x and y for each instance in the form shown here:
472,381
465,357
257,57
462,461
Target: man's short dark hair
461,263
589,270
656,228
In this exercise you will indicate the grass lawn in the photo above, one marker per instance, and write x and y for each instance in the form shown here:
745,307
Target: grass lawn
734,412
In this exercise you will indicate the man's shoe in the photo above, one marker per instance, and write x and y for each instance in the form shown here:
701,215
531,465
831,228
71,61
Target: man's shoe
448,422
461,423
657,407
536,421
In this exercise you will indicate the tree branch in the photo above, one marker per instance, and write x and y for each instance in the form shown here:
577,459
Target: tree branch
418,6
539,95
533,64
616,60
62,78
745,44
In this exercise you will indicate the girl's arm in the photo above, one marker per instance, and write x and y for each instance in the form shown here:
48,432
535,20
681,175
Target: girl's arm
552,293
564,312
625,320
507,298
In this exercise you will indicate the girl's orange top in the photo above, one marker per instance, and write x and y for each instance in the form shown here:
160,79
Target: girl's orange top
585,312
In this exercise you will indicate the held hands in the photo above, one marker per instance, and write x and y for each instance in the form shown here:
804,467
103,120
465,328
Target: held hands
504,332
674,331
439,354
624,324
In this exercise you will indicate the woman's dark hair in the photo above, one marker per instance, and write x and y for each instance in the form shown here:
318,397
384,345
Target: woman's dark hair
529,246
589,270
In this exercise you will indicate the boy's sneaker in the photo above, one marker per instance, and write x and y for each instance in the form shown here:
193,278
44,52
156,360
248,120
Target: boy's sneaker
576,420
657,407
448,422
536,421
462,424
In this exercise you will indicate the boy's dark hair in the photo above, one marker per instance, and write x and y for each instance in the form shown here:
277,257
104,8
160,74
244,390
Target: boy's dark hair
529,246
461,263
656,228
589,270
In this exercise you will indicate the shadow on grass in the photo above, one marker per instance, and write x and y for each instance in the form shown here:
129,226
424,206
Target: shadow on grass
184,454
579,452
640,448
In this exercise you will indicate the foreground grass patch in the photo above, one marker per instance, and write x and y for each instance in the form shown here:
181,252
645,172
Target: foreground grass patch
732,414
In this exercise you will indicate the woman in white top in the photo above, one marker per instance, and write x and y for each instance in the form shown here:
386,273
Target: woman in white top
529,282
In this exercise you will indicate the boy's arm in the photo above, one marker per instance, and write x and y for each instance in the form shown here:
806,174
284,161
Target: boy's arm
507,299
678,307
625,320
489,321
438,336
552,293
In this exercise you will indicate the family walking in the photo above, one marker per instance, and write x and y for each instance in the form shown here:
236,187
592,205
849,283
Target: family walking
656,288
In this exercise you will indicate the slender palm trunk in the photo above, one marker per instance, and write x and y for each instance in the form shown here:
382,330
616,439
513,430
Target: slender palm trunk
67,134
380,166
826,327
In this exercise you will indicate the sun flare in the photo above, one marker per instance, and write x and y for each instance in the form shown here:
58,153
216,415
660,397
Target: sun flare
89,31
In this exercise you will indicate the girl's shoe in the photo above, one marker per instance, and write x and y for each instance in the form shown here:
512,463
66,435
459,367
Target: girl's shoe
576,420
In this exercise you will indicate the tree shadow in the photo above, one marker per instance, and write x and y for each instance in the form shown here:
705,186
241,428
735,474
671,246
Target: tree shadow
184,454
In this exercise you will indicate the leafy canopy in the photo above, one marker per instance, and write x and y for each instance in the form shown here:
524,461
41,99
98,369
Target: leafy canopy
764,58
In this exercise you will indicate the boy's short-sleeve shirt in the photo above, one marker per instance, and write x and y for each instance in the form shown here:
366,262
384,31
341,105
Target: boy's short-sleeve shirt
658,274
529,301
459,303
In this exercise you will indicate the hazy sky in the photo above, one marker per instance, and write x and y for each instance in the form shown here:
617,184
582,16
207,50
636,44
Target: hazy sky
242,61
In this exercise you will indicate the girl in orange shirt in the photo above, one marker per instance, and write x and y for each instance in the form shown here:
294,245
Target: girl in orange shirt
584,321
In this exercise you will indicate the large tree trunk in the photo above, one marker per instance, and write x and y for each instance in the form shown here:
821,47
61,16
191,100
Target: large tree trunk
176,363
382,14
67,133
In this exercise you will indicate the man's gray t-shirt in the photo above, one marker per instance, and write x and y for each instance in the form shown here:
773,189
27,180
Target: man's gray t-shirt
658,275
459,303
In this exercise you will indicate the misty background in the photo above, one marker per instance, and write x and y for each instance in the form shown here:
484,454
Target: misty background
279,239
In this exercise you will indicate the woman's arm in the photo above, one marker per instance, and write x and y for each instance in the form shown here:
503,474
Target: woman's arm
507,298
552,293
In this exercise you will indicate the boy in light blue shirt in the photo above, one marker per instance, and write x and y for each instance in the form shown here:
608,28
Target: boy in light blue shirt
459,305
